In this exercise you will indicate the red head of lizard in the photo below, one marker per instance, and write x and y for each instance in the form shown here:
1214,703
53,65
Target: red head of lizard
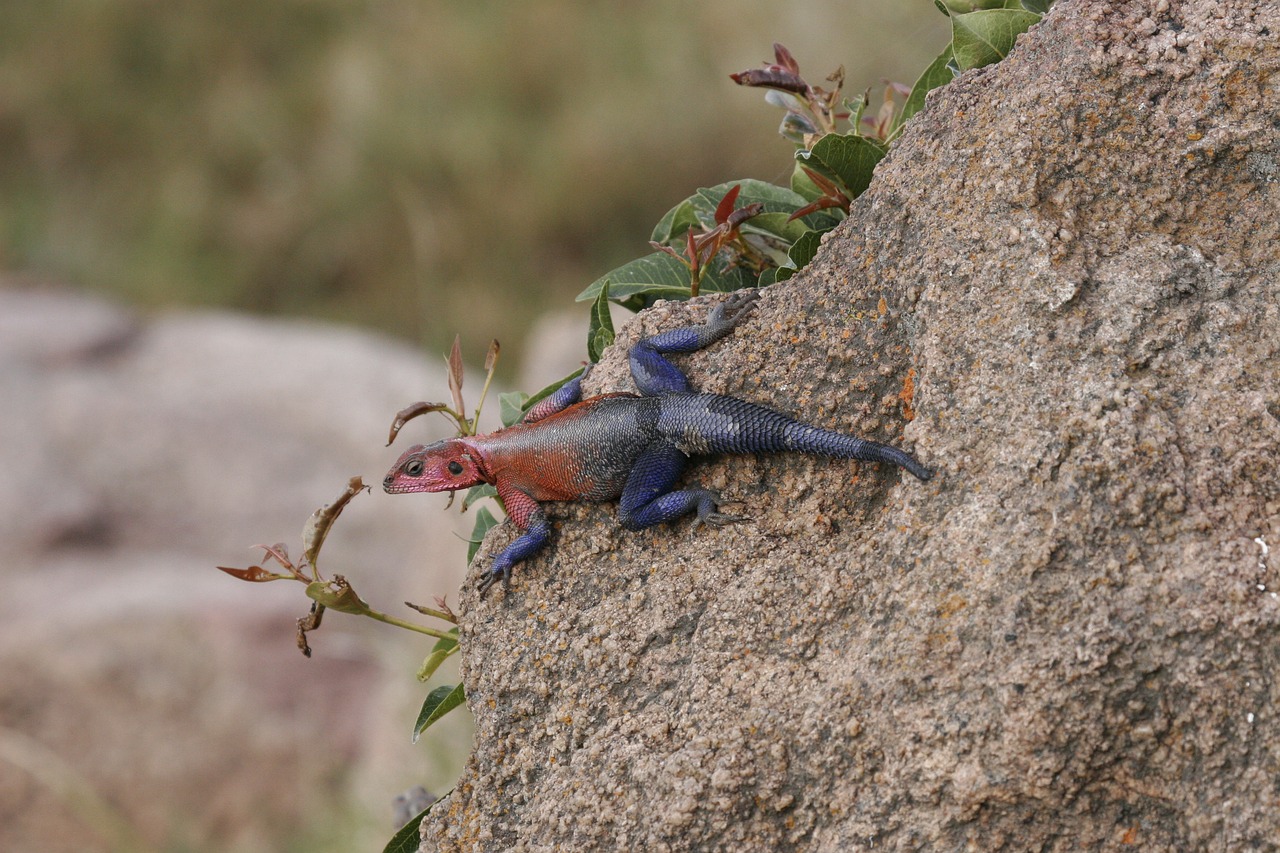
441,467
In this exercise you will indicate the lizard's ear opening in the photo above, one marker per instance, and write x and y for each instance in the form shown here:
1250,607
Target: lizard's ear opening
455,467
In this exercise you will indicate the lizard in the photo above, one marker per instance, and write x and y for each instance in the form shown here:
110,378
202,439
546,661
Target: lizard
623,446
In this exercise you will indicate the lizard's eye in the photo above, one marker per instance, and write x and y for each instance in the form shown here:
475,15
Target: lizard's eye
414,468
455,468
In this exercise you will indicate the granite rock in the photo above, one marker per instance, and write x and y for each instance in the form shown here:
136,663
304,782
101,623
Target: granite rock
1061,291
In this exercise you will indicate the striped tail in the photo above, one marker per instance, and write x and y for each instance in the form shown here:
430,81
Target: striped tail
711,424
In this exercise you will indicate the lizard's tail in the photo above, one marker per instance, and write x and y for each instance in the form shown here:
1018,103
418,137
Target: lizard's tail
701,424
810,439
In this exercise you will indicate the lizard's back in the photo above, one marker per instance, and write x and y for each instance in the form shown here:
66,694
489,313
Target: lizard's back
584,452
587,451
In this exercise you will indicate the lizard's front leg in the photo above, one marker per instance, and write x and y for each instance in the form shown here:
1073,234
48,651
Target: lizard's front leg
564,397
526,514
654,375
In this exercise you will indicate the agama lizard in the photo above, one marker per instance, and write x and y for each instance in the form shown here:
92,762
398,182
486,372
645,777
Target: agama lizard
627,447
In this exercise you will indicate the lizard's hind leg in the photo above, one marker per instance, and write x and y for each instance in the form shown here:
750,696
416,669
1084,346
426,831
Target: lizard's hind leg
654,375
648,499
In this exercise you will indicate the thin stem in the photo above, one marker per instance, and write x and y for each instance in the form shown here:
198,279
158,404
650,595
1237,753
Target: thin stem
483,393
400,623
431,611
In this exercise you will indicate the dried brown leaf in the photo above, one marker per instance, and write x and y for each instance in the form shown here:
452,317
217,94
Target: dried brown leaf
317,526
253,574
784,58
771,78
455,374
410,412
310,622
278,552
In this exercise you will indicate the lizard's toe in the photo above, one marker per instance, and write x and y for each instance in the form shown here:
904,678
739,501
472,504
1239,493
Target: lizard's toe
720,519
491,578
709,512
735,309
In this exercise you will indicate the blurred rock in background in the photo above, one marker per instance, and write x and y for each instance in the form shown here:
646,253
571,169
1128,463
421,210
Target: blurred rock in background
140,453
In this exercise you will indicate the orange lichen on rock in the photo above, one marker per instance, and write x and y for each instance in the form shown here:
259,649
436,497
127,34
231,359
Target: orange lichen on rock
907,395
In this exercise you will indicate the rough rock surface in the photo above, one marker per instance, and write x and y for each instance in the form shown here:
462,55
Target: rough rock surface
147,700
1063,284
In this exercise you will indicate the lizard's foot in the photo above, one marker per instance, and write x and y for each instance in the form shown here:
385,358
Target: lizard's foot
709,512
496,574
733,310
719,519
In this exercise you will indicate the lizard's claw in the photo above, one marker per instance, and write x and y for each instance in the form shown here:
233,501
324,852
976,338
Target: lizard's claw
492,577
719,519
709,512
733,310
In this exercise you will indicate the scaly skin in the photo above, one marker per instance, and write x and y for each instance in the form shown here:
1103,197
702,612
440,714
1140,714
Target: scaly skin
625,447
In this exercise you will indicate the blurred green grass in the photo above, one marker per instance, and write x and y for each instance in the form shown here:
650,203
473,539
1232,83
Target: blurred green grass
418,167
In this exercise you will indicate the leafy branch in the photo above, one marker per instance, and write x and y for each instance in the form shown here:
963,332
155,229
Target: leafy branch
336,594
705,244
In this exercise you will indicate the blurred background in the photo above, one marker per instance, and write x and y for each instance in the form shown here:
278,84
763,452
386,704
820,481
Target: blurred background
418,167
234,238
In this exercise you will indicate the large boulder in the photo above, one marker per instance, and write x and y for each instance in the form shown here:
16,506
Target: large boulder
1060,291
148,699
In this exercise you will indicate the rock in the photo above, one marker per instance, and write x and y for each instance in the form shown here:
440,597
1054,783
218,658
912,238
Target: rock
148,698
1061,291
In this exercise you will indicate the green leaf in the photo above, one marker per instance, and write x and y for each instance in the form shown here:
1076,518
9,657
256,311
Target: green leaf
1040,7
408,837
779,225
983,37
600,330
721,277
439,702
803,185
963,7
477,493
773,199
805,249
431,664
658,275
443,648
511,406
699,210
802,252
447,643
937,74
675,224
338,595
855,109
846,158
484,520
